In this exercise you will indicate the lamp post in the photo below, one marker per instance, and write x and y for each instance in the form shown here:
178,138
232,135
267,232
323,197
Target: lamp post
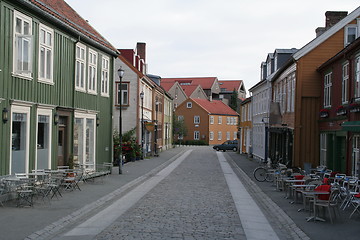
121,74
142,124
265,120
156,126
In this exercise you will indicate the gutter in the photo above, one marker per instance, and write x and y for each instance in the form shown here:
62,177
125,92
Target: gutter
68,28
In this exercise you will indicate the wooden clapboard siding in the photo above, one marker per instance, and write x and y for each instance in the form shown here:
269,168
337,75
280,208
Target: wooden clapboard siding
307,103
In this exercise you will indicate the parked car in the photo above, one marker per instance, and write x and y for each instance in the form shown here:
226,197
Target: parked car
228,145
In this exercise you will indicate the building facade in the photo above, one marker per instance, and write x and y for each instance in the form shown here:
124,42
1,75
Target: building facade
56,88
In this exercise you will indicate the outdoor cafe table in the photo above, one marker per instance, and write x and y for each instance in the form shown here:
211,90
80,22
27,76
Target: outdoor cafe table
288,183
313,194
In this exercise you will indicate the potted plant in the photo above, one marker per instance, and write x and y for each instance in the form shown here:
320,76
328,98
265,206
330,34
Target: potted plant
324,113
340,110
354,107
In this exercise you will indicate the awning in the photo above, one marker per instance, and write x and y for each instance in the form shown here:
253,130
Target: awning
353,126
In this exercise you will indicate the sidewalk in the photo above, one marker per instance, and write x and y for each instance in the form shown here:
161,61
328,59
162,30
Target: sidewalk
46,217
342,228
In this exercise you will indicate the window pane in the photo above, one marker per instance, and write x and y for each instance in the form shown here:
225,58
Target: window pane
78,140
42,63
48,39
26,59
43,142
48,64
26,28
90,141
42,36
18,25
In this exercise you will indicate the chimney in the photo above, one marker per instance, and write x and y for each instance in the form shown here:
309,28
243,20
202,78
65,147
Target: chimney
331,18
141,50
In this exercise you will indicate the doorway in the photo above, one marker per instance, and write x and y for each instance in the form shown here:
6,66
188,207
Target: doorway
62,142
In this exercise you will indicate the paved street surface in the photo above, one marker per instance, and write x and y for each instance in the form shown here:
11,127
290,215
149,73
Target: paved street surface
186,193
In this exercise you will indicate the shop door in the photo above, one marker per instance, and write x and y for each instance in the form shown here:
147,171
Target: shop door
61,146
340,161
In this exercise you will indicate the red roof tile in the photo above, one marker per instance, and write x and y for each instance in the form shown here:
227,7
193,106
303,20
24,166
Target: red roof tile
204,82
63,12
230,85
166,85
215,107
189,89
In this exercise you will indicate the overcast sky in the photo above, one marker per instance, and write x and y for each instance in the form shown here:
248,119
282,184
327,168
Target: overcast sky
227,39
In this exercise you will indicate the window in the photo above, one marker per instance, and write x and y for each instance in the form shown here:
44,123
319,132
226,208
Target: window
293,82
105,76
357,77
323,149
235,135
227,120
46,45
43,153
80,67
196,135
327,90
219,120
124,94
196,119
211,119
350,34
219,135
22,53
227,135
356,156
84,140
211,136
181,118
92,74
344,84
189,104
20,139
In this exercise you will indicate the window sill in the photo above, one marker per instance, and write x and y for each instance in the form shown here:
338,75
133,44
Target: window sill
25,77
46,81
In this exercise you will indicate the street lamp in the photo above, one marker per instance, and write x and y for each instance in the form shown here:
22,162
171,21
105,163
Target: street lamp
142,123
121,74
156,126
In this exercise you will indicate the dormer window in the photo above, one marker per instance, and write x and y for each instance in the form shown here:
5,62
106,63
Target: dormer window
189,105
351,33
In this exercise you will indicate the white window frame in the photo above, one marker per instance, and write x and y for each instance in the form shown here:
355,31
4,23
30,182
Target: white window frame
196,135
227,135
22,110
323,149
105,70
197,119
357,76
356,155
92,71
45,112
47,62
124,93
346,37
211,136
327,89
220,120
344,83
80,67
219,135
22,39
189,105
235,135
85,117
211,119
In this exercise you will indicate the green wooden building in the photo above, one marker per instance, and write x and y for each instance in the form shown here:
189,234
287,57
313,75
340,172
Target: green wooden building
56,90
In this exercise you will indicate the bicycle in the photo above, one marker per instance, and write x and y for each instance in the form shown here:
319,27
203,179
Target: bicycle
266,172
